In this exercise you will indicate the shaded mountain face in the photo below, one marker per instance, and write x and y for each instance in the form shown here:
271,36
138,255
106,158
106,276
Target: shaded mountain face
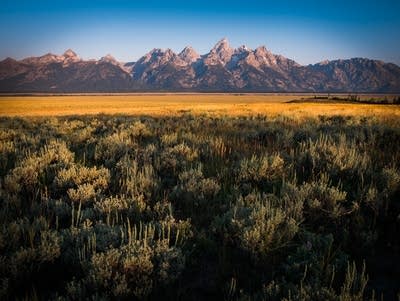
59,74
222,69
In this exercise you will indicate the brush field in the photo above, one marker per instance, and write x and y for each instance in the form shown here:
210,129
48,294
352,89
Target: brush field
198,197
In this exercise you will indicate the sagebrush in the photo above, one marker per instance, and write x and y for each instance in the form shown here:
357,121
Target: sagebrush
196,207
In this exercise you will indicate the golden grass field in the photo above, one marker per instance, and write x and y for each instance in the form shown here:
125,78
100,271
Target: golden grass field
176,104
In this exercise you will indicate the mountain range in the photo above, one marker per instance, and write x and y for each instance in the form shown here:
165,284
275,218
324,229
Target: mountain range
222,69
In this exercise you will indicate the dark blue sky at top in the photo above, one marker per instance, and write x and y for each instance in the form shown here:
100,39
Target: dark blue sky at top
307,31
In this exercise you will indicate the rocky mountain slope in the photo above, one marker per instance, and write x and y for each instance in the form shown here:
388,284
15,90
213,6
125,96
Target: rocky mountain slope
223,68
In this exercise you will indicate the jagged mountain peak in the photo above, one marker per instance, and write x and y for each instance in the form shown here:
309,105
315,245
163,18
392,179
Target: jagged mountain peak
243,48
222,45
49,54
189,55
69,57
324,62
155,58
109,59
169,51
155,50
69,53
221,53
154,55
8,60
158,53
224,40
262,50
188,49
44,59
265,57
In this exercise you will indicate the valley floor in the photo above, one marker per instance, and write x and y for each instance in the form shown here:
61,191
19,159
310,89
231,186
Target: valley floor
178,104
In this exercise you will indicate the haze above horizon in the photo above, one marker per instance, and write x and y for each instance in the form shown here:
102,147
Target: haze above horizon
308,31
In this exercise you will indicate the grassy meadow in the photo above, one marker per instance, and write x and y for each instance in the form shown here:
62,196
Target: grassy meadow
177,104
194,197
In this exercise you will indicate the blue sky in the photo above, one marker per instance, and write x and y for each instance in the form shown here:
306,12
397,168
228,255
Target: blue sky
307,31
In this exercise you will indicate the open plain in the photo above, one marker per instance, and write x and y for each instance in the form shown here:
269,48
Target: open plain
177,104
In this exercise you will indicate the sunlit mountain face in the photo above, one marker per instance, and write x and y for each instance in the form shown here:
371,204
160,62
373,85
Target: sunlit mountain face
223,68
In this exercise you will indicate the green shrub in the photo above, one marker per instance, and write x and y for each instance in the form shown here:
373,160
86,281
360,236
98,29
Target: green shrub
135,181
261,171
262,224
177,157
113,147
134,269
342,160
195,192
82,184
38,170
26,248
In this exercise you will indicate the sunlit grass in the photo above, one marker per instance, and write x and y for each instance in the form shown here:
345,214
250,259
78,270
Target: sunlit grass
177,104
